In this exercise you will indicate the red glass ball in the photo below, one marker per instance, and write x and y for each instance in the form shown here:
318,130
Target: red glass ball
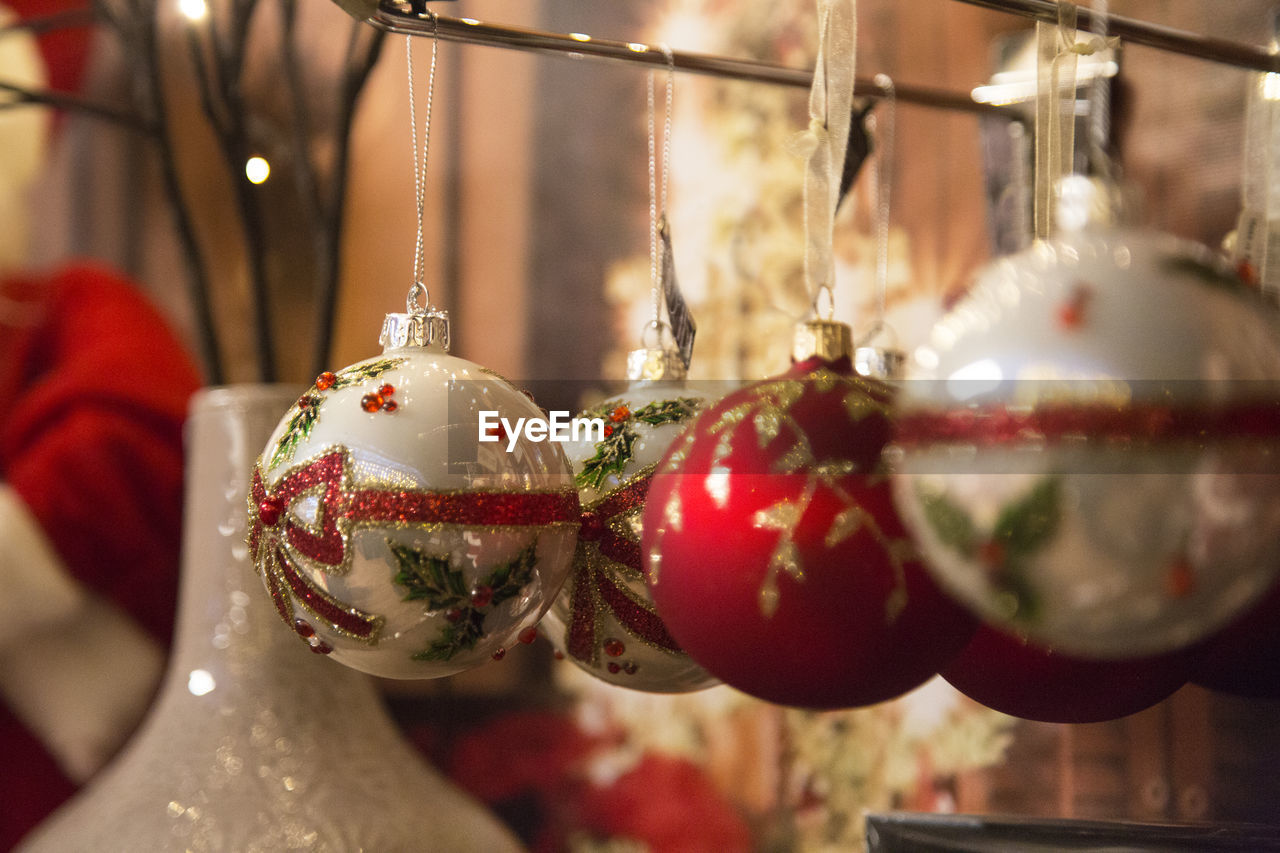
1243,659
774,554
1009,674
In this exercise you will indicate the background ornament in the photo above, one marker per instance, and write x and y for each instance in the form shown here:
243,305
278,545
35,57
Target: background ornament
1086,440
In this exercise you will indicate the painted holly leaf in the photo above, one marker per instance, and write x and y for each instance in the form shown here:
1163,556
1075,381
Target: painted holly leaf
306,413
460,635
507,580
307,409
949,522
428,578
433,580
611,457
617,448
357,373
1027,526
668,411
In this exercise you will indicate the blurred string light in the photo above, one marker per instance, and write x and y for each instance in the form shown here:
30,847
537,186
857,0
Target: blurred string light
193,10
256,169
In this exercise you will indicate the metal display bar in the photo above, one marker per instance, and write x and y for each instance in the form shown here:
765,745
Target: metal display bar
401,16
397,17
1149,35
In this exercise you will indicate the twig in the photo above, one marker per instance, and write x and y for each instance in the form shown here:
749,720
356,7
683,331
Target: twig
358,68
63,101
223,106
137,33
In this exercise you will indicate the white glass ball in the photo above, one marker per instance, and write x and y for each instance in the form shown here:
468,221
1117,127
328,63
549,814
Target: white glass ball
391,536
604,620
1041,469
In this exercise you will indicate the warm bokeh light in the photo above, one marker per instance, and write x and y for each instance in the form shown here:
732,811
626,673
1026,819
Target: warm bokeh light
257,170
193,10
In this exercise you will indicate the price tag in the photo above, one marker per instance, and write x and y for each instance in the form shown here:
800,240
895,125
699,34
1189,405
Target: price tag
683,327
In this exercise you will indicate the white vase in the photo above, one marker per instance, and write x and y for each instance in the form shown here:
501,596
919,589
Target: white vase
254,743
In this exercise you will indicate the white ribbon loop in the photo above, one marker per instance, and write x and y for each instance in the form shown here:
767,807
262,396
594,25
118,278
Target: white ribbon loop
824,143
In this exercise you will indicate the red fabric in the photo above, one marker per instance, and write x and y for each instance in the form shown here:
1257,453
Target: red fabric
31,785
531,767
93,393
65,49
669,804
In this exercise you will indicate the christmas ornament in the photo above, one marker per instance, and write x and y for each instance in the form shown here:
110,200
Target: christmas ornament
1243,659
604,620
1011,675
390,532
774,554
1085,440
395,522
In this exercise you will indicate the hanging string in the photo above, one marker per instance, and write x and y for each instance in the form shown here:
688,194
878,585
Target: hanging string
1058,51
658,197
1100,101
418,288
1055,110
823,144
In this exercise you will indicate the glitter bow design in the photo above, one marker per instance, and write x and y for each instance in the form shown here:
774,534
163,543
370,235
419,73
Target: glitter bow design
769,415
606,551
312,511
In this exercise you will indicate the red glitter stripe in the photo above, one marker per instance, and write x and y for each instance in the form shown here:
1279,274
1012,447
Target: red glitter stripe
327,548
635,617
466,508
317,602
998,425
277,594
620,549
257,492
581,642
595,523
327,470
626,498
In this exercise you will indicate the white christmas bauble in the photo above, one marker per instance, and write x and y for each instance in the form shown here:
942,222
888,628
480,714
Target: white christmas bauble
391,532
1086,442
603,620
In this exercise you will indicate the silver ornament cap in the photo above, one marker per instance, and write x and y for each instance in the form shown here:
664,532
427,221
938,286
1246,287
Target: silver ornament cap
1081,201
651,364
418,326
428,328
879,362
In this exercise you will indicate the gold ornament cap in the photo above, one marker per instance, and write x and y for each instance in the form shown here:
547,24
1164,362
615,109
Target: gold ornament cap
829,340
423,328
651,364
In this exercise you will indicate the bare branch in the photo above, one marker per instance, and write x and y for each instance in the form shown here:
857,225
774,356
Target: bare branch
24,96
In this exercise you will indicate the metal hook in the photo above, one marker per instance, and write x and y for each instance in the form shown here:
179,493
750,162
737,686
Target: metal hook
411,304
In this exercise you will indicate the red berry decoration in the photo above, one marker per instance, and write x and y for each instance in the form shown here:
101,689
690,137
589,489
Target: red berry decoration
1009,674
774,554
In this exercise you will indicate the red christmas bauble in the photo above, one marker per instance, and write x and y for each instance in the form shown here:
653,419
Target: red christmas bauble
1243,659
1005,672
774,554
